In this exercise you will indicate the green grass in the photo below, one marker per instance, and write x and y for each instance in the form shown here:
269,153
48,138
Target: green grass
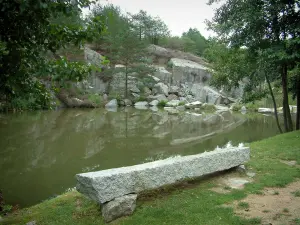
162,103
194,204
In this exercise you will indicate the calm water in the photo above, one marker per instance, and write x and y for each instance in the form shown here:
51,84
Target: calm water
40,152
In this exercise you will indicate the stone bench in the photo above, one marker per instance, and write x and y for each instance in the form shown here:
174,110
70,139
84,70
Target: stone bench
116,189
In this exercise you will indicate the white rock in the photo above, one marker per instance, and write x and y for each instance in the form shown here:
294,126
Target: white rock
154,103
106,185
112,104
121,206
173,103
193,105
141,105
265,110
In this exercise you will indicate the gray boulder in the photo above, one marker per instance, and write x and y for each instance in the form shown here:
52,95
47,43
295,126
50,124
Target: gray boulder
112,104
147,91
154,103
119,207
134,89
174,90
160,88
172,97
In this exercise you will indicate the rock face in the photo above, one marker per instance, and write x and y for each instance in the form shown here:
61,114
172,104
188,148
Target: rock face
188,71
104,186
122,206
163,75
95,84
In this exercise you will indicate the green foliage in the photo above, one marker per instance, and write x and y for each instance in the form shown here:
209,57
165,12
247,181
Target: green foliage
162,103
181,103
95,98
25,42
196,43
148,28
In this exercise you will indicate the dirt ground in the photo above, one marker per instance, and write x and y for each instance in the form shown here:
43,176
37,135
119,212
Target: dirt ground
276,206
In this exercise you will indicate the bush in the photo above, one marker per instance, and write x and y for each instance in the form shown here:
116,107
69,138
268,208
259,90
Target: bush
181,103
162,103
94,98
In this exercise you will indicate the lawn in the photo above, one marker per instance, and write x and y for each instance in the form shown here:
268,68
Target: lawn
194,203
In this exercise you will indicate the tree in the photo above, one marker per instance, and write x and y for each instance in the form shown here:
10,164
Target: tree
127,49
200,41
149,28
233,65
26,35
268,25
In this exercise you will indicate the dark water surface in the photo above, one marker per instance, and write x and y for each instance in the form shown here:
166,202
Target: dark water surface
40,152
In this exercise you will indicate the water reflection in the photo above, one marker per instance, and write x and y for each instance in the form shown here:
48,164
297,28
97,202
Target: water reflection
40,152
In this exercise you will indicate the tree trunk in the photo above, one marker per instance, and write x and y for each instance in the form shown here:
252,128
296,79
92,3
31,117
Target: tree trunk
274,103
126,81
298,103
288,123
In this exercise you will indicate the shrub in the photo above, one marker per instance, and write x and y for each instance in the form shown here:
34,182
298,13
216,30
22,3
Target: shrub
162,103
181,103
94,98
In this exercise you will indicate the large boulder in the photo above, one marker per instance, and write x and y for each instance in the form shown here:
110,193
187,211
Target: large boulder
119,207
160,88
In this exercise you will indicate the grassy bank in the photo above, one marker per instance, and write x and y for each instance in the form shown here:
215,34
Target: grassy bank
195,203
